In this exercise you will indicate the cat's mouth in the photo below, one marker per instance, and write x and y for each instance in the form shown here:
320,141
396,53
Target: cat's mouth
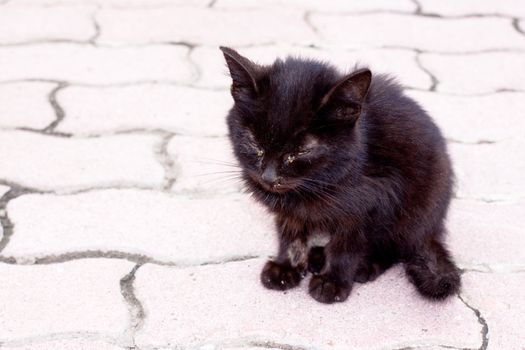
279,186
276,187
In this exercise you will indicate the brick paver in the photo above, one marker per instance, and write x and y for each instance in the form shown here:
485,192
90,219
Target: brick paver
124,225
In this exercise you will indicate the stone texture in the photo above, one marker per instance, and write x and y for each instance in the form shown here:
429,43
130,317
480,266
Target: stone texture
136,4
53,163
92,65
474,74
400,63
49,299
26,105
473,227
232,308
486,118
499,299
174,229
3,190
335,6
23,24
177,109
64,344
424,33
512,8
204,165
185,24
489,171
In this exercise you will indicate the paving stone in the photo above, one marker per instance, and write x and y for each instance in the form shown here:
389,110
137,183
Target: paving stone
499,299
175,108
475,118
477,73
64,344
3,190
47,299
226,304
95,65
424,33
56,163
474,226
185,24
512,8
26,105
489,171
204,165
335,6
22,24
400,63
138,4
169,228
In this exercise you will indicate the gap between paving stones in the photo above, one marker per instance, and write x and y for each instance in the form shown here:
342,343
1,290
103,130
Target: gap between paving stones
89,336
192,45
135,308
163,157
481,321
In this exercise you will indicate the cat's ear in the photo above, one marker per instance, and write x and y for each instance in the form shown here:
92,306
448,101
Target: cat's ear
351,89
243,73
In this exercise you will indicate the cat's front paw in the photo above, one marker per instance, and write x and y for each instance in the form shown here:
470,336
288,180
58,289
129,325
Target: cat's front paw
280,277
328,290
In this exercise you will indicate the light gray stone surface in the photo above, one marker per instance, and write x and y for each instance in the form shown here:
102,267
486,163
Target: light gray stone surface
482,73
86,64
417,32
23,24
48,162
26,105
53,299
226,305
168,228
172,108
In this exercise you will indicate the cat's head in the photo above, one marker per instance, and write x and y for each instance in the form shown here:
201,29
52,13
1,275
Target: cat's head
293,123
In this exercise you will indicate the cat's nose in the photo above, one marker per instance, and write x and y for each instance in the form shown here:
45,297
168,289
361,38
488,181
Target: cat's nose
269,174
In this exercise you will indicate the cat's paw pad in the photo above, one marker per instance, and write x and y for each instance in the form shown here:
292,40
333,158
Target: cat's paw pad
280,277
327,290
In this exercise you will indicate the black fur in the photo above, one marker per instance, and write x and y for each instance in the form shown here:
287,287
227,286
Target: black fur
349,156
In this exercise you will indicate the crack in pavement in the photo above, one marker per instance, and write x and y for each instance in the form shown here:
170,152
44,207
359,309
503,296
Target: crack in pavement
136,310
168,164
434,80
516,25
137,258
313,28
482,322
5,221
96,25
59,111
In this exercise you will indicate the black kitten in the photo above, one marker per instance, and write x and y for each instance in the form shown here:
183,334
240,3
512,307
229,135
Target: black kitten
356,173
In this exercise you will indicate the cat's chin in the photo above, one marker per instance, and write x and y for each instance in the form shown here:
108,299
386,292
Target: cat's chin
275,189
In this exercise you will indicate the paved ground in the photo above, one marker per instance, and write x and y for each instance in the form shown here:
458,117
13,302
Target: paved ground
111,112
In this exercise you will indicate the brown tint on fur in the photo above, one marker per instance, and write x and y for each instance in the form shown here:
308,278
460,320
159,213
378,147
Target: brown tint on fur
349,156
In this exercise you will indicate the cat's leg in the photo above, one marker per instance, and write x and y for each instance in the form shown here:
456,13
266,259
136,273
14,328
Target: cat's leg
343,256
375,263
316,260
289,267
370,270
431,269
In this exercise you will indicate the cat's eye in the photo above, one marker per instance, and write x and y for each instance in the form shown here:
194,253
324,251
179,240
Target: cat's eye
260,153
303,152
290,159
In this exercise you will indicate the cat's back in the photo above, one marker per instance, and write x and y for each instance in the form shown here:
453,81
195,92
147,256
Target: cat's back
401,135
